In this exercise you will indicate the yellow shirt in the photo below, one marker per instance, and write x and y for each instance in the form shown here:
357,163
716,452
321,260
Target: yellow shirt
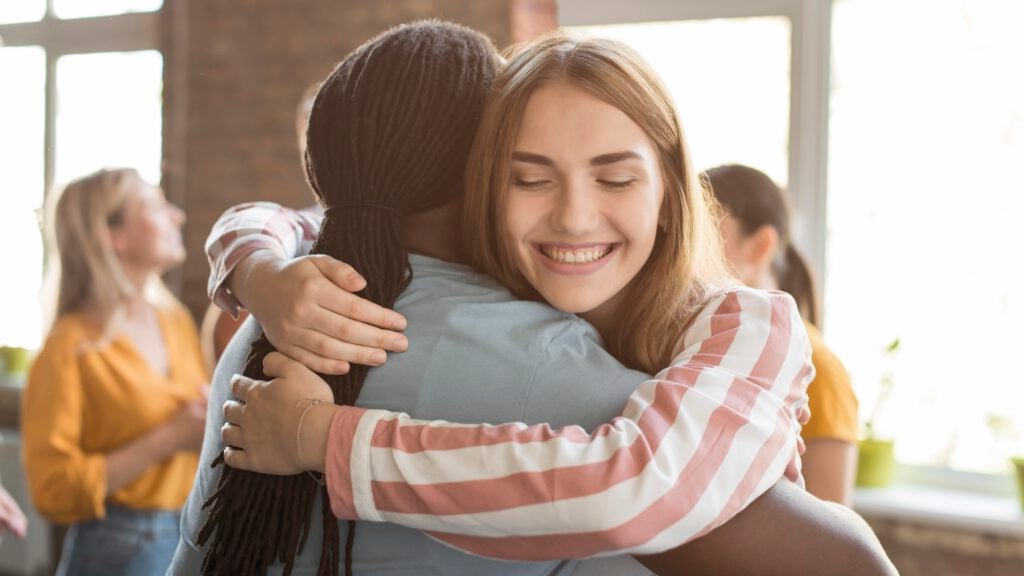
831,399
84,401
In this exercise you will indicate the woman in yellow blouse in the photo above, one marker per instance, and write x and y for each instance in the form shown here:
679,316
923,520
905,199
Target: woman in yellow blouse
114,411
755,231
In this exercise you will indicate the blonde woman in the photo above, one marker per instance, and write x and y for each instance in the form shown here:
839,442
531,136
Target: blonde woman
114,410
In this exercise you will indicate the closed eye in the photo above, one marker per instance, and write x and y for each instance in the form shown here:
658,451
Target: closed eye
530,184
617,184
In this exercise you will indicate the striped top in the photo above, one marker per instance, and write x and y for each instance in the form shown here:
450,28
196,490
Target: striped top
693,446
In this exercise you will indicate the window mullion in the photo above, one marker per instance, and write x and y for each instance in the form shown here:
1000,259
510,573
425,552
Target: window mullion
50,121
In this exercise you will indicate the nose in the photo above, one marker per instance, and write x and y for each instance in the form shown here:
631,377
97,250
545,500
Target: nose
576,210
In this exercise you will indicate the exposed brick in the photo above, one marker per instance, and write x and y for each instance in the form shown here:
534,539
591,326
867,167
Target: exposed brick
246,66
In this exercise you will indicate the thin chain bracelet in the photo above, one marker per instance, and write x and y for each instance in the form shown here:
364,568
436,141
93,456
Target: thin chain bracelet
298,436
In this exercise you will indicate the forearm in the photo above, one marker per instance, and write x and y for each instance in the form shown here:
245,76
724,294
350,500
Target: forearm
132,459
829,467
248,271
690,450
248,228
785,531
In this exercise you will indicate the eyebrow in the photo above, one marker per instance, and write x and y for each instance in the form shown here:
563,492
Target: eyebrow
605,159
602,160
533,158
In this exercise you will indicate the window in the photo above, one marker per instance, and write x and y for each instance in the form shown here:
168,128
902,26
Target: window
21,192
115,96
86,94
925,201
730,80
22,11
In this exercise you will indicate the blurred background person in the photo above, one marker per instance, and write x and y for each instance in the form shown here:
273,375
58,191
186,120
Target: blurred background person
757,242
114,410
12,519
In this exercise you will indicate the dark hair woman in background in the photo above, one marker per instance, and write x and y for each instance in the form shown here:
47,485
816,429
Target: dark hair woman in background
756,235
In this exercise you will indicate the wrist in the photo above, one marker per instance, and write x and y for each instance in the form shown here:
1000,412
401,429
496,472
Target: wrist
312,435
250,271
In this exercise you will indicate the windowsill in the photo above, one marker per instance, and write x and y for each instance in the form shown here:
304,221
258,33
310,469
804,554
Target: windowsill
974,512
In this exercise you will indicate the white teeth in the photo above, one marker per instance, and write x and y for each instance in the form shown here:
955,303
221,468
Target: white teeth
581,256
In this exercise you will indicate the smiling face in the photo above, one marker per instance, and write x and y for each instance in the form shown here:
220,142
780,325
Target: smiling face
583,201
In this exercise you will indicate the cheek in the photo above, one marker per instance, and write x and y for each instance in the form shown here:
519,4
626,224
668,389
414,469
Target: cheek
637,217
523,212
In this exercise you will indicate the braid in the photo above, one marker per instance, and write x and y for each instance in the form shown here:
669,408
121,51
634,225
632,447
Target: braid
388,136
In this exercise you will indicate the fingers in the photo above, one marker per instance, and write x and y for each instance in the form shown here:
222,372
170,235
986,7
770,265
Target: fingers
276,364
338,327
343,275
232,435
234,412
317,363
241,385
362,310
237,458
326,347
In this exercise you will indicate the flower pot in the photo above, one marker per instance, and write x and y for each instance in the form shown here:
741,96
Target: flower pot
875,463
1018,464
14,360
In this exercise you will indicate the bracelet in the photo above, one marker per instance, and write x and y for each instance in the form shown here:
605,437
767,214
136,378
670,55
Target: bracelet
298,436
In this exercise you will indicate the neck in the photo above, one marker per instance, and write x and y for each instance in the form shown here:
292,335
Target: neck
764,280
434,233
137,305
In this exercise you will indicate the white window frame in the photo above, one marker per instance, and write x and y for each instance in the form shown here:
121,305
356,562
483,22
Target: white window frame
60,37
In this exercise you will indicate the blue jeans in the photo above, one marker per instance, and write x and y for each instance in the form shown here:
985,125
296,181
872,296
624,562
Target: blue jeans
126,543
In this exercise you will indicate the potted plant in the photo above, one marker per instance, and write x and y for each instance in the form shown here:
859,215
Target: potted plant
1018,466
1007,440
875,458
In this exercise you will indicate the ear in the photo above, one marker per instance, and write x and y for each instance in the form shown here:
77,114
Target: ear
763,244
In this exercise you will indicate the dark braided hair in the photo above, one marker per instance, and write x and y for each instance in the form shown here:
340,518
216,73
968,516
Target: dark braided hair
388,136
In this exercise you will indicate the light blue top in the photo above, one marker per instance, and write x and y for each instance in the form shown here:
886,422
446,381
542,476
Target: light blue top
476,354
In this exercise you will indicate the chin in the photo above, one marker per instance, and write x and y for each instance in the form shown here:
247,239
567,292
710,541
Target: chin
573,304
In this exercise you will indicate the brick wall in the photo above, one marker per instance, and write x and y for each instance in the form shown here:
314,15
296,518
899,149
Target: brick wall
235,71
921,550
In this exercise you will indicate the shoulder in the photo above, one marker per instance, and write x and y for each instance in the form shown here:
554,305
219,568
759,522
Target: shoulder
69,335
739,308
179,317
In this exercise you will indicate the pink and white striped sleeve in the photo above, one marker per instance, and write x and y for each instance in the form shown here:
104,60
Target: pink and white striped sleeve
247,228
693,447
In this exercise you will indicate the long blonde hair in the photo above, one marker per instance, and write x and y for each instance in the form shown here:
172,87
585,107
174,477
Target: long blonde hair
84,271
686,263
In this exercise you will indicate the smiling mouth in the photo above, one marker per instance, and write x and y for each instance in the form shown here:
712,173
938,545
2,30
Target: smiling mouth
575,255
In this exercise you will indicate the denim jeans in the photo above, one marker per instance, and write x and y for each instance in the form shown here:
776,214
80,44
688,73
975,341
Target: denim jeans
126,543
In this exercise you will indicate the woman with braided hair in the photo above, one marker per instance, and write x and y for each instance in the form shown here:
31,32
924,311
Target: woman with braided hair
476,354
373,122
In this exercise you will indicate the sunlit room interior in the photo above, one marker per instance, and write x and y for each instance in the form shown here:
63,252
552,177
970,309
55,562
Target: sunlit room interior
894,128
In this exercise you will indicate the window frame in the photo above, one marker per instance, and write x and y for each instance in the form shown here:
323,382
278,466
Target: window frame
60,37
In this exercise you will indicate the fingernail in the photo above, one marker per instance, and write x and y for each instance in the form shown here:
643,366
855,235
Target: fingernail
398,324
400,345
378,357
